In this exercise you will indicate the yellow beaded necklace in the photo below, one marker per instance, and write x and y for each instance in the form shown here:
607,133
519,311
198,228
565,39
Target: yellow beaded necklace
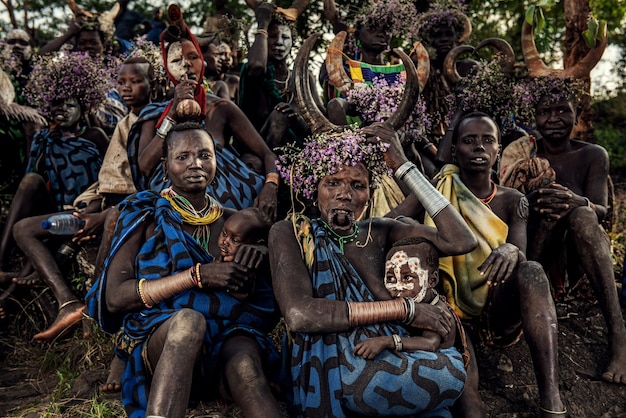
202,218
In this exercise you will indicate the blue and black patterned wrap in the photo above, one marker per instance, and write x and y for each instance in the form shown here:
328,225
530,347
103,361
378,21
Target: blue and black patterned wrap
168,251
235,185
68,163
329,380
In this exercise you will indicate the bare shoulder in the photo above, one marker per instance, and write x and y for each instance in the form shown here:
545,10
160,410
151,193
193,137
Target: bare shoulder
589,151
510,203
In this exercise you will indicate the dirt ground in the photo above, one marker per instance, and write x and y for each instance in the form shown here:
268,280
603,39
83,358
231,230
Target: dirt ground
61,380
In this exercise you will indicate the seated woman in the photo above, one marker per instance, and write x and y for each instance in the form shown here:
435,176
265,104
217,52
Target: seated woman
236,186
65,157
326,274
180,322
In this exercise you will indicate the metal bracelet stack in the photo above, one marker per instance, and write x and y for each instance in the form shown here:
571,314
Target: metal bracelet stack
428,195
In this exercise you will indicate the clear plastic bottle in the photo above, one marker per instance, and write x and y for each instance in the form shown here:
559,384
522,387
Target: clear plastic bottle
63,224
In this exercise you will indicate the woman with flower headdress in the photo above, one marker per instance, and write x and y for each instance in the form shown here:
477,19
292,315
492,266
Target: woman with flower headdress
326,275
184,333
236,185
64,159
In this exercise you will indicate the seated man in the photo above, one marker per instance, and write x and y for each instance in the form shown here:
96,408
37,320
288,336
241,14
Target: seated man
570,208
493,288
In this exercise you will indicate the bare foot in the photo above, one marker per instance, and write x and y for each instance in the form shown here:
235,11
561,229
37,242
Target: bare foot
30,280
7,276
68,317
616,370
114,380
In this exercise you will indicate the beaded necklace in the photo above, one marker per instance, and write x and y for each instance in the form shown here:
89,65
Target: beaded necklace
202,218
487,200
341,240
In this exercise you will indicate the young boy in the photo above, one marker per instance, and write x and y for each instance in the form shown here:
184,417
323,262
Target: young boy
411,270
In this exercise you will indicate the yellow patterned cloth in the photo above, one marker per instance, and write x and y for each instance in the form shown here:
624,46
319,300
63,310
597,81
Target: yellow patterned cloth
465,289
385,197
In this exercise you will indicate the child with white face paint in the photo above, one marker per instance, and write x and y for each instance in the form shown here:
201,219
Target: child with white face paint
412,271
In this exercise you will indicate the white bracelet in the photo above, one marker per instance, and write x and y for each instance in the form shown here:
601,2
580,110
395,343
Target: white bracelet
433,201
167,124
397,341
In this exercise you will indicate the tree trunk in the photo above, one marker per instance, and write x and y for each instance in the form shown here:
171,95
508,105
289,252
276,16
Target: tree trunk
576,15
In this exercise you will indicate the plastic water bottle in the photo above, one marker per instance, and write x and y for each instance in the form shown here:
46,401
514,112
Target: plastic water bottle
63,224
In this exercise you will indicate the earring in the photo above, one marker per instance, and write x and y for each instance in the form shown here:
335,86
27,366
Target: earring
165,179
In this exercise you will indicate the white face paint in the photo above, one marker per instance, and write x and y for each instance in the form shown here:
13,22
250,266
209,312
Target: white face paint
19,43
66,113
175,61
404,277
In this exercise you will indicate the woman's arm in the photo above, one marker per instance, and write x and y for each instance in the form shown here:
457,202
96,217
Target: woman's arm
293,287
305,313
121,287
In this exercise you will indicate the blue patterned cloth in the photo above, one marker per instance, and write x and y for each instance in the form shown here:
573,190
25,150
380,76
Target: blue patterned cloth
235,185
171,250
329,380
69,163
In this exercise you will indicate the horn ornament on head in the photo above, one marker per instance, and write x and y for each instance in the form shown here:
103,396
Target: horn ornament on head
449,63
318,121
537,68
423,63
506,57
334,64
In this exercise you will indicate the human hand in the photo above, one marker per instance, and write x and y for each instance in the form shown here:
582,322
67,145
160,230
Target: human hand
383,132
502,261
184,90
263,14
433,318
289,111
371,347
251,255
555,201
229,276
93,226
267,200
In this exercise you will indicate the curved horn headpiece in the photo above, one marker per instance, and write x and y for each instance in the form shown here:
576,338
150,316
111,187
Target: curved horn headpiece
334,64
411,91
506,55
304,95
537,68
423,63
449,63
313,115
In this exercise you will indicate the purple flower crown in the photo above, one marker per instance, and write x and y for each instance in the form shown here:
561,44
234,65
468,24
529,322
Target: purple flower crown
376,102
450,15
527,92
324,154
66,75
398,16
